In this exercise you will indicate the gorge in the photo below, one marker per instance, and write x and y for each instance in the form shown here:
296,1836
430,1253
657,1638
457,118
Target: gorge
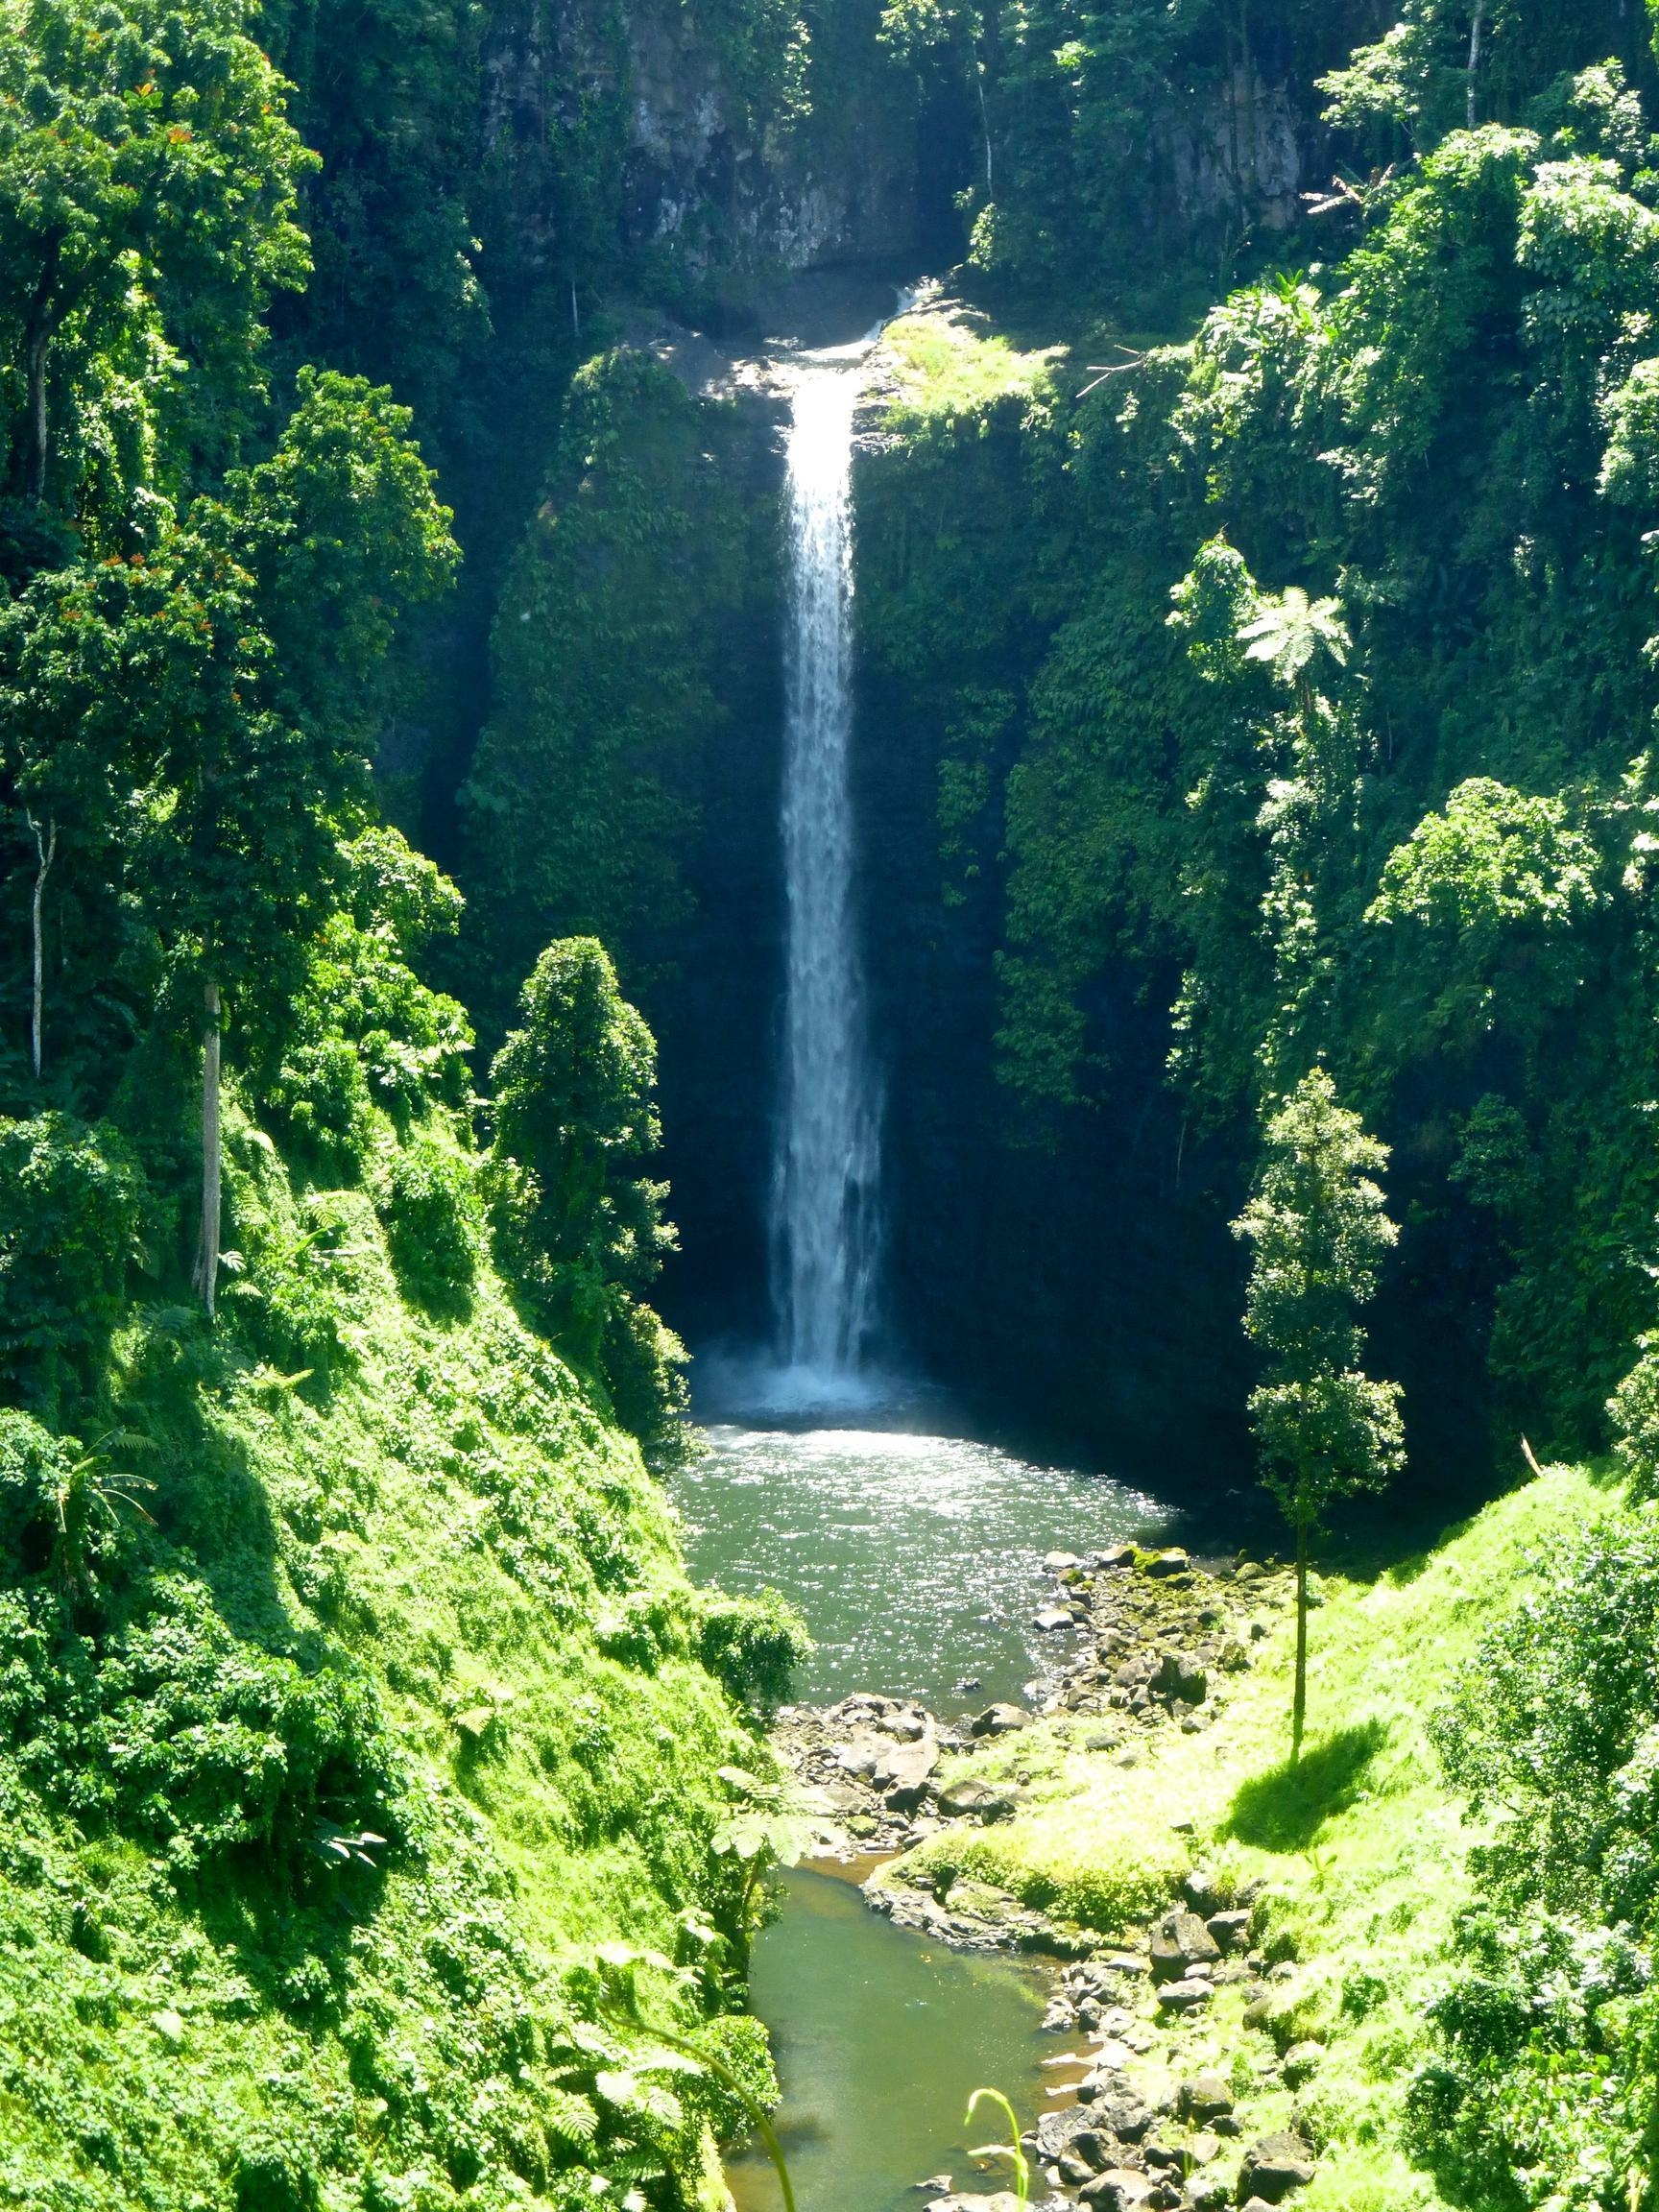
749,1025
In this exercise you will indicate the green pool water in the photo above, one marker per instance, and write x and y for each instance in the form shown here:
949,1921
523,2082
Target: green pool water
880,2038
916,1560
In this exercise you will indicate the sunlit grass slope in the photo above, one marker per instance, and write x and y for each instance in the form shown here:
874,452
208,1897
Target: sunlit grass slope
1361,1854
421,1593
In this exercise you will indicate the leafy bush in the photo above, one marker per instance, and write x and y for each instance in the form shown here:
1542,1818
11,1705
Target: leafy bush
71,1200
1545,2081
753,1644
434,1223
185,1734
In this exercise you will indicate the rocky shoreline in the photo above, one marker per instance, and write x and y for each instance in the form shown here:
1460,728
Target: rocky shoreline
1144,2114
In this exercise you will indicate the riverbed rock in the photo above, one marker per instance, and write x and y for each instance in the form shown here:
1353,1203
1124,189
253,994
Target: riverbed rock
903,1770
1119,2189
1053,1617
1058,2131
971,1798
907,1727
861,1753
1001,1720
1302,2062
1061,1562
1171,1560
1113,1558
1230,1929
1180,1942
1273,2167
1118,2109
1180,1675
1203,2097
1185,1996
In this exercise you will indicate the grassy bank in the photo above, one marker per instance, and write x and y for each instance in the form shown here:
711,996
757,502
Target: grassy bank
1362,1853
372,1705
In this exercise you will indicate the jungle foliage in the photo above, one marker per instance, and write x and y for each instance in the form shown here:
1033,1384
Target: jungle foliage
352,1697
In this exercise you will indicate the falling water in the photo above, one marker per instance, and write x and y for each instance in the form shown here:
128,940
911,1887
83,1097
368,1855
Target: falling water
825,1223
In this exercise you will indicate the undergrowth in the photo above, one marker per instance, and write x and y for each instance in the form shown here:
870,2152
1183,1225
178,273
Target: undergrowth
352,1697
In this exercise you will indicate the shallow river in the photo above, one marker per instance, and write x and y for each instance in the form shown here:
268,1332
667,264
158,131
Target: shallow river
917,1561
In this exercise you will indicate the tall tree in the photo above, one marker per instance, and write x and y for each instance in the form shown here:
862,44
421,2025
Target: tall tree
148,181
1319,1233
581,1226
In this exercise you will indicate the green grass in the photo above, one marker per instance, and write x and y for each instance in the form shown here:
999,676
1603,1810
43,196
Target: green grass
945,366
448,1517
1363,1849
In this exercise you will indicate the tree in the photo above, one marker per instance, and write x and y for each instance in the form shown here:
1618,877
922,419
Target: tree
148,186
1316,1222
581,1227
259,723
65,730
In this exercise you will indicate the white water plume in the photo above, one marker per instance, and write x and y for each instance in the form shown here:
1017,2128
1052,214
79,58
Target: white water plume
826,1231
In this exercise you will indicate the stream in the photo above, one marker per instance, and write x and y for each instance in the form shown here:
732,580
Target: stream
916,1560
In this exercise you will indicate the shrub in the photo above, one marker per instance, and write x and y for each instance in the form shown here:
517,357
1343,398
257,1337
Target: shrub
184,1733
753,1644
1547,2071
434,1224
71,1200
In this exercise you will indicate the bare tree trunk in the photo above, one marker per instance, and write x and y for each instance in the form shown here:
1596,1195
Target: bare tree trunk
207,1254
984,124
45,853
1474,61
39,324
1299,1696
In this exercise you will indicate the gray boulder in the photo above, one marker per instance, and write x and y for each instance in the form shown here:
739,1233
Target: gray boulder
1273,2167
1301,2064
1180,1675
1205,2097
1171,1560
1001,1720
1119,2189
1230,1930
1180,1942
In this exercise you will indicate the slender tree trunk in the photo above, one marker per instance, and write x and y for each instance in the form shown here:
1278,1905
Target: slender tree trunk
45,853
1474,61
207,1254
39,324
1299,1696
984,124
35,416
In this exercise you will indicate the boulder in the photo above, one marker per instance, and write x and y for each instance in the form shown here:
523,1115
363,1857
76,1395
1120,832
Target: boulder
1199,1892
1114,1556
1301,2064
1118,2110
1001,1720
1273,2167
1057,2131
1171,1560
907,1727
1180,1942
905,1767
1053,1617
1119,2189
1180,1675
971,1798
1230,1930
1061,1562
1185,1996
1204,2097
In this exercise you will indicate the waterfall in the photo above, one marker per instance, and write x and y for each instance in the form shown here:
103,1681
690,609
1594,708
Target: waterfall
825,1221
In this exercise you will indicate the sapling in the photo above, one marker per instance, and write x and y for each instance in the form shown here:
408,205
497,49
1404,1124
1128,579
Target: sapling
1325,1429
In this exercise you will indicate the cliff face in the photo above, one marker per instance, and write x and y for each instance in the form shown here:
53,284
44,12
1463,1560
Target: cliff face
741,146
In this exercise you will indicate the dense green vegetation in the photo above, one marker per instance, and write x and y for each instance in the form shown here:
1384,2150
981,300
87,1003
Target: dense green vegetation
1259,649
360,1734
